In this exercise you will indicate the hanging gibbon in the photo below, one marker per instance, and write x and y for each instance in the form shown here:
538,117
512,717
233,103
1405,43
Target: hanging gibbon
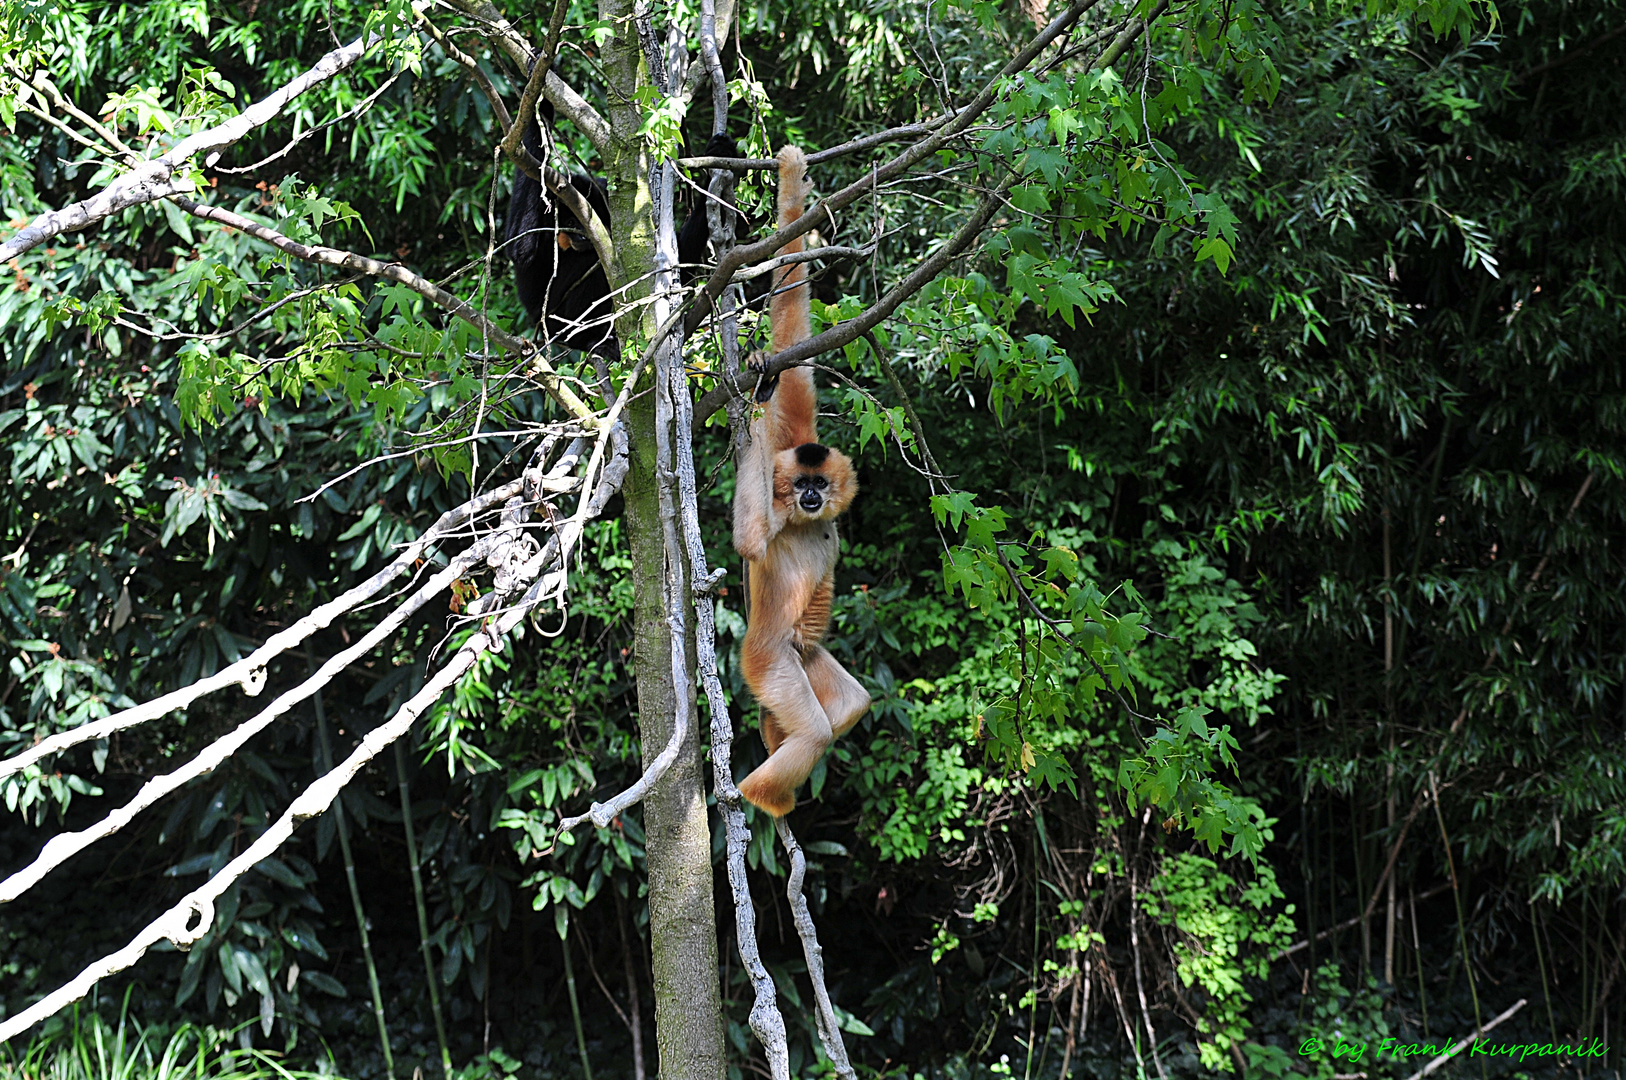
789,490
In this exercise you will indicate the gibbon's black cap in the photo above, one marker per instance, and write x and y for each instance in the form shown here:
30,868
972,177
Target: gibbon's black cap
811,455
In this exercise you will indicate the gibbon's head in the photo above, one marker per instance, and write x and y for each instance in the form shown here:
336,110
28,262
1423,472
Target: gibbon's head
814,482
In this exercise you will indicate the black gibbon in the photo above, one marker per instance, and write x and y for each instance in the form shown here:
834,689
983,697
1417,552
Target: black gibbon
788,492
560,281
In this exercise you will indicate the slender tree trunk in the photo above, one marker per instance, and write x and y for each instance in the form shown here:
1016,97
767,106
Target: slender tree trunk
630,965
355,890
431,976
682,915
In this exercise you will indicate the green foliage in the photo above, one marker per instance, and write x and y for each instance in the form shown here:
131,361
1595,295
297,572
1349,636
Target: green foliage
86,1046
1162,587
1224,935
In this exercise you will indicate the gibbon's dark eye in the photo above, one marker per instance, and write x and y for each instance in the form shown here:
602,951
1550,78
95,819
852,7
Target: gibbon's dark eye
820,482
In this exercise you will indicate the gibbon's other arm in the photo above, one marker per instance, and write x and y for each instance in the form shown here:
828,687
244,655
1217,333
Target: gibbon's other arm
755,525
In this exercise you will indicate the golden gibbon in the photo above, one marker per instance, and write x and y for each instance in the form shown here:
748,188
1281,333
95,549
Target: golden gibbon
788,492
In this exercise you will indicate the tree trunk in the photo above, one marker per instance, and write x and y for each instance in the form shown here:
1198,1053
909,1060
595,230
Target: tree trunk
682,915
682,924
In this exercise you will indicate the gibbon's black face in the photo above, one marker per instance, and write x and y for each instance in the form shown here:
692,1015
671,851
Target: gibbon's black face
809,488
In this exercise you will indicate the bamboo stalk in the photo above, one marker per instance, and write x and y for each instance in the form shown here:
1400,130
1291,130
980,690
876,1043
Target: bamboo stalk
423,914
1456,894
1541,966
1417,955
635,1018
1140,985
575,1006
1388,710
355,890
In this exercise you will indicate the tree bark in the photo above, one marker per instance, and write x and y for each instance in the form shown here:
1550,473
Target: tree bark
682,915
683,932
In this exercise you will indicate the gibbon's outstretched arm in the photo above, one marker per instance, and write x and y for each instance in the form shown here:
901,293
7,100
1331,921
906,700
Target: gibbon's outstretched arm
788,404
789,489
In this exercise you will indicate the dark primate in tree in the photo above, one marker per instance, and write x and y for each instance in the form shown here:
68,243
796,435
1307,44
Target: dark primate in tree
560,281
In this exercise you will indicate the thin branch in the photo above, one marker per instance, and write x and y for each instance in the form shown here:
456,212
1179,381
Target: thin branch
537,366
893,381
249,672
810,255
1055,628
63,126
512,143
1608,35
852,146
42,82
169,173
825,209
1352,921
472,66
1456,1048
852,329
354,111
550,483
503,33
828,1024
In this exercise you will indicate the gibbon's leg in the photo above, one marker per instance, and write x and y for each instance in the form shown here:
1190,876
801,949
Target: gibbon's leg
772,733
844,698
774,672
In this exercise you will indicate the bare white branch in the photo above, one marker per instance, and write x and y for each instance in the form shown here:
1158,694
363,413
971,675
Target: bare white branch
173,925
249,672
167,174
829,1025
65,845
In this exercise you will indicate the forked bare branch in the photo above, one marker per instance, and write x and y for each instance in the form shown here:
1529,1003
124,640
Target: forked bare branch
829,1025
167,174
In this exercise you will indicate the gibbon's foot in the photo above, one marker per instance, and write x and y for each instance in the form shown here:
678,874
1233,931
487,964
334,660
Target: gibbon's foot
766,384
763,795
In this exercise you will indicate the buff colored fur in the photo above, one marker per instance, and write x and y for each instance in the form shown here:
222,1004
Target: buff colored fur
808,699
